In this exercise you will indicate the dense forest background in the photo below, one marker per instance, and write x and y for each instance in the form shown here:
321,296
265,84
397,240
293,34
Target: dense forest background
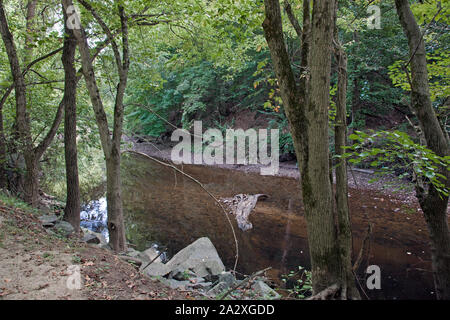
203,61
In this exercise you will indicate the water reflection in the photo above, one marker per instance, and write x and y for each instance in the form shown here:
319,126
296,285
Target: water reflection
164,207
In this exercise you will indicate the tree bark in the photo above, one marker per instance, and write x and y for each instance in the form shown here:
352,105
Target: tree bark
111,146
317,193
22,117
306,108
3,178
25,144
349,289
72,209
433,204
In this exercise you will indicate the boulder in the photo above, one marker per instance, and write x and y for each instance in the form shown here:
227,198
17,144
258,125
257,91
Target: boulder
219,288
261,289
90,238
156,269
228,278
64,228
89,235
48,220
200,257
151,253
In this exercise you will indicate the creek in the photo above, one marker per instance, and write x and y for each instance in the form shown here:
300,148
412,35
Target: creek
167,208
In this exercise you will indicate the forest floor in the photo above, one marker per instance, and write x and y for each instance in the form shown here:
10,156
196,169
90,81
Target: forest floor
37,265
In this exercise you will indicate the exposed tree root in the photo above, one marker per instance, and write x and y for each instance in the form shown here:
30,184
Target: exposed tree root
327,293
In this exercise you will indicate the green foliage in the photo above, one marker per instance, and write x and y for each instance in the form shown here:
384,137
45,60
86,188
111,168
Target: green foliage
438,74
301,282
14,202
388,151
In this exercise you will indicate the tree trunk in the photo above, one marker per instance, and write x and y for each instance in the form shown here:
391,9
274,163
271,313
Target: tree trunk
433,204
22,118
307,111
3,178
31,13
349,289
110,146
116,226
317,193
355,103
72,209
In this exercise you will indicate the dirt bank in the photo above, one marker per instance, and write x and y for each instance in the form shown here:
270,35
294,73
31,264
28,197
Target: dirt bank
38,265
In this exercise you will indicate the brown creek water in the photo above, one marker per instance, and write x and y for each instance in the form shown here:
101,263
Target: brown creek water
165,207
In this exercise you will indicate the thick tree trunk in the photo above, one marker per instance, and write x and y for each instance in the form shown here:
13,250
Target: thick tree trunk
434,205
22,118
317,193
72,210
306,108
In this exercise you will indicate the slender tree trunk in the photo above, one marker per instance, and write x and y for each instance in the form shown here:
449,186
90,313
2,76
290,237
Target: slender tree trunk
110,146
116,225
433,204
355,102
72,210
29,39
349,289
3,178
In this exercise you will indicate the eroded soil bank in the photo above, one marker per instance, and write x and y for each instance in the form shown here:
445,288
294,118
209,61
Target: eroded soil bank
38,265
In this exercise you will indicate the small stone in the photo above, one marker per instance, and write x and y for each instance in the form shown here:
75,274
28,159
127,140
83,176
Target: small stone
218,289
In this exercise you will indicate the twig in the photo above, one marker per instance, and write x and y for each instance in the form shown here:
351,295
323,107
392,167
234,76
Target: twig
240,284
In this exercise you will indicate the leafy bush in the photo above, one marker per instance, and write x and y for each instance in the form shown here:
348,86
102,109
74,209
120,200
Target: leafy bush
300,283
390,151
